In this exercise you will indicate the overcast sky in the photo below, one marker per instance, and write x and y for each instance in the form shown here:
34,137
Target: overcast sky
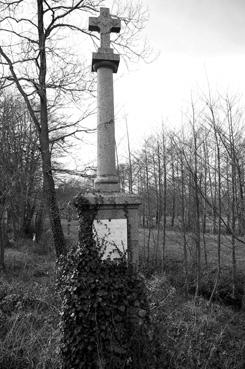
200,43
203,27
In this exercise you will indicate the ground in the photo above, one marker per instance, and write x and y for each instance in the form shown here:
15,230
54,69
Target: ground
189,334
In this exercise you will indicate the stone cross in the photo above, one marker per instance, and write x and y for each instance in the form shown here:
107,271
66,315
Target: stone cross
105,63
104,24
113,210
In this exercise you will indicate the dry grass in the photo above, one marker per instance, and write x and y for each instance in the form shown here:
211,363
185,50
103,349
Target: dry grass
29,312
194,335
189,335
174,247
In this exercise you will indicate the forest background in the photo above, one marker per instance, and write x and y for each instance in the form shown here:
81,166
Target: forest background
191,181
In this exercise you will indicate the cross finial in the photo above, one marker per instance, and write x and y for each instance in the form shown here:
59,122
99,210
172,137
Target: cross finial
104,24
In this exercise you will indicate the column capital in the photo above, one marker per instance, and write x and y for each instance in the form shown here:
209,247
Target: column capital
105,59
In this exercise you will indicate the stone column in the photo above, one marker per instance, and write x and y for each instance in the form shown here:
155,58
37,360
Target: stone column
107,178
105,63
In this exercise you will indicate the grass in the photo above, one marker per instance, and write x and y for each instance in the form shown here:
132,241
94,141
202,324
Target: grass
174,247
174,265
29,311
189,334
194,335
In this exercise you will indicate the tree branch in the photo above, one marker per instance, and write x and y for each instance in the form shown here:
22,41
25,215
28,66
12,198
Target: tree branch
21,90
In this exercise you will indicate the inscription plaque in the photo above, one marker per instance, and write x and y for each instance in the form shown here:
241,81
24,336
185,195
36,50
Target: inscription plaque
112,233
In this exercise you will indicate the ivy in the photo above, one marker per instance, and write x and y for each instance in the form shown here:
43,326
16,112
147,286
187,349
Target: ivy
105,320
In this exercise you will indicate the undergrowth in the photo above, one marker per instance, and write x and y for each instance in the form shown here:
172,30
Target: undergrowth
220,291
193,334
29,311
187,334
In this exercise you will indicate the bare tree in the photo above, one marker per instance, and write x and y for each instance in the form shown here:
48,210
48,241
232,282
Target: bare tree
130,174
164,195
20,168
212,120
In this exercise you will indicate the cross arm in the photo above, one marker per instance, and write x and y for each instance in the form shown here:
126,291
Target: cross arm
93,24
115,25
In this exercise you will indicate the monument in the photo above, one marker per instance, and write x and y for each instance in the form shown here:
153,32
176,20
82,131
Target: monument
114,214
105,63
106,311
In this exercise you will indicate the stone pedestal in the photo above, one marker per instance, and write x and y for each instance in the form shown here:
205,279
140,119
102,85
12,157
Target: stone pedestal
100,206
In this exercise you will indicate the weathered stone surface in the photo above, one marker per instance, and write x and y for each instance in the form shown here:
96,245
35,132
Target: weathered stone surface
104,24
112,199
107,179
98,206
105,58
112,234
105,63
106,202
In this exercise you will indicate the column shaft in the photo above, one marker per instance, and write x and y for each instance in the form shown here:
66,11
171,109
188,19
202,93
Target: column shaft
107,178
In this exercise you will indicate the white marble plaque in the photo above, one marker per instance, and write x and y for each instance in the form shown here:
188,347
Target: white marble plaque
112,233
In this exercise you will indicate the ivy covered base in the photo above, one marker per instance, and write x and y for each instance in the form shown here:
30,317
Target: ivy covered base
105,318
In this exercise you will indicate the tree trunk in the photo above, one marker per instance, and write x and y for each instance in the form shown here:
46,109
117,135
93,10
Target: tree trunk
2,239
173,190
50,195
164,221
49,186
130,173
218,184
196,207
241,217
2,248
148,207
228,191
183,207
204,217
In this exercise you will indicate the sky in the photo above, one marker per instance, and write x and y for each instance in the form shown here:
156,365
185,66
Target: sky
199,44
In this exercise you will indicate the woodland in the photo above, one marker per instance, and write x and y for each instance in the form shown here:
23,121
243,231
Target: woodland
191,183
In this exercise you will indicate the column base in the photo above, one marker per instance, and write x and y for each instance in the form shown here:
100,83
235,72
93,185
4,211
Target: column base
107,184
